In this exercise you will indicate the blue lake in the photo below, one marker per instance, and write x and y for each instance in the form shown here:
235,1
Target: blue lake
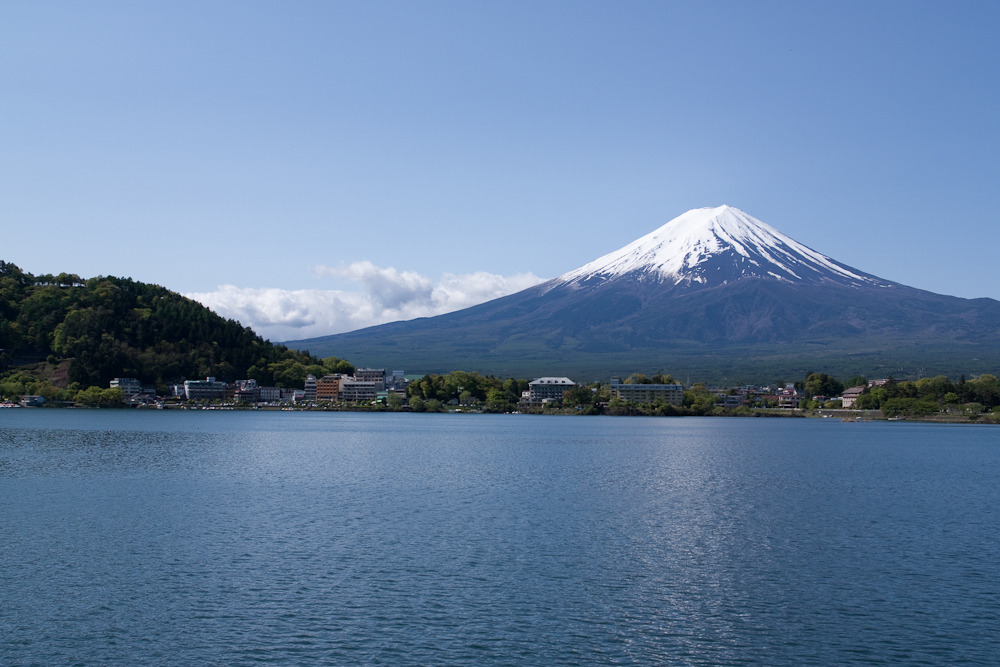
216,538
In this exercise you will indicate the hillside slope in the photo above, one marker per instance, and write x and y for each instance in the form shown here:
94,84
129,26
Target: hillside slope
115,327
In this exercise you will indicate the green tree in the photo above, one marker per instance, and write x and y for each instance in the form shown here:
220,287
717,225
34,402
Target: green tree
336,365
498,400
821,384
699,400
935,387
871,399
578,396
288,373
984,389
910,407
101,398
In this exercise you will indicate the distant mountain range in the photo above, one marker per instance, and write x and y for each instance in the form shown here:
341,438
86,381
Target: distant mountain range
714,294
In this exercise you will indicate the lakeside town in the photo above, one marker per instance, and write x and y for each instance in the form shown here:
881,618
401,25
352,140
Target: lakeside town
375,389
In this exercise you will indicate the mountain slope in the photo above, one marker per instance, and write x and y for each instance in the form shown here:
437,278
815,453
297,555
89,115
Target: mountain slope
713,292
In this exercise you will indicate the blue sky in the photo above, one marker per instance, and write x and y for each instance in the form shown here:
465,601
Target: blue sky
313,167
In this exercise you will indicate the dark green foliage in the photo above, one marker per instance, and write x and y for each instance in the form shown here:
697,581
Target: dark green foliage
14,384
96,397
335,365
451,386
910,407
699,400
115,327
821,384
579,396
293,367
639,378
930,395
494,394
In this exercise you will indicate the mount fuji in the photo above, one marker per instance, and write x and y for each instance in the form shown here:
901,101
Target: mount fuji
714,293
717,246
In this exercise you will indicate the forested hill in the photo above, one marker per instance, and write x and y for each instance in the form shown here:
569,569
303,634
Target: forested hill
108,327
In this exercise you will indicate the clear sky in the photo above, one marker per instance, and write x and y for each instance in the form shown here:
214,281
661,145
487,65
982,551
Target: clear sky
313,167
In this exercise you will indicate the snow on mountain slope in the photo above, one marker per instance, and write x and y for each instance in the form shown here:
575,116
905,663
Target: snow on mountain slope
714,246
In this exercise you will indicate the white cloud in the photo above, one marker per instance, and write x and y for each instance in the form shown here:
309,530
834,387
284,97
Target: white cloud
383,295
387,286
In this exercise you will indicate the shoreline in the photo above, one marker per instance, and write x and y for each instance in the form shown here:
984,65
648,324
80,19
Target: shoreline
846,416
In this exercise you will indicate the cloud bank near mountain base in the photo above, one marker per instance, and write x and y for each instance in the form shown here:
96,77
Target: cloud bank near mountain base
383,294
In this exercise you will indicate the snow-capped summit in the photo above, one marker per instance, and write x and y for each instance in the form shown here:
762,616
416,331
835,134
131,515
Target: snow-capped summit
716,246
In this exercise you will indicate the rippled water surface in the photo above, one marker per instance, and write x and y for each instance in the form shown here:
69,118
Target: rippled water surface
340,538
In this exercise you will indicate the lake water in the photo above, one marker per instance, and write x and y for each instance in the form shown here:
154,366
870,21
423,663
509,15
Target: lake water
215,538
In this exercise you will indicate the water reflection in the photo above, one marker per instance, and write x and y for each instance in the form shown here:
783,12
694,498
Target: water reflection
414,539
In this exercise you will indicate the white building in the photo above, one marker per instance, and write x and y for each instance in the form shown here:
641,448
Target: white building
548,389
130,386
207,389
376,375
270,394
353,389
245,391
850,396
789,397
310,388
396,381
